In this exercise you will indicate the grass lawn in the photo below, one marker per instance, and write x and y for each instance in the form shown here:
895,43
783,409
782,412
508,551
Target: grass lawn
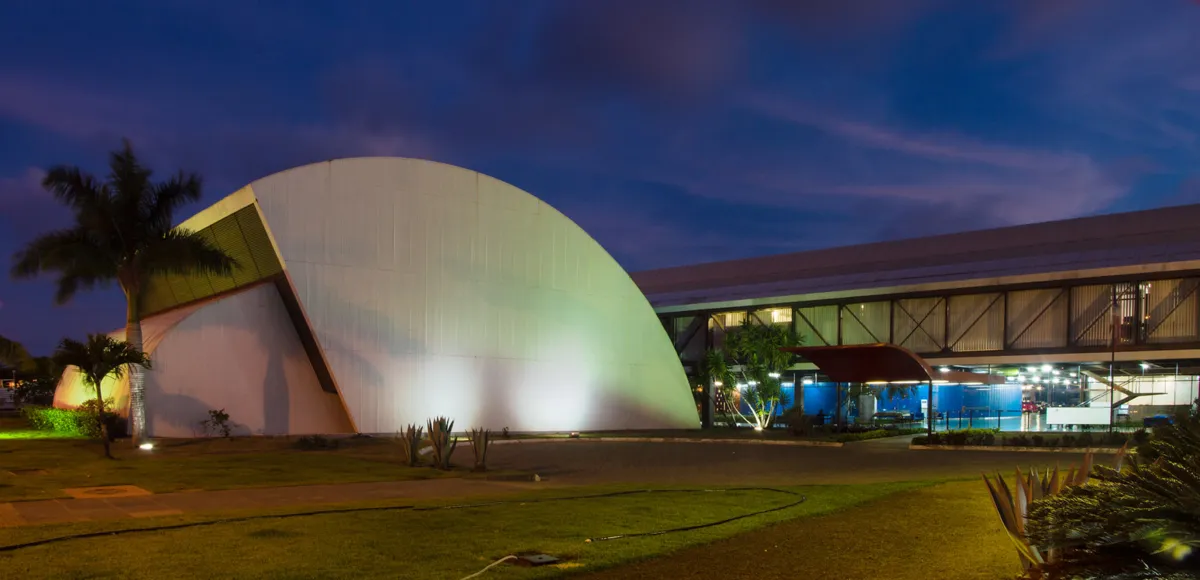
198,464
944,531
424,544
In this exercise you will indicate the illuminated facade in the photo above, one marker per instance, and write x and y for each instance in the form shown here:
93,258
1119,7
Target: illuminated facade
1078,313
376,292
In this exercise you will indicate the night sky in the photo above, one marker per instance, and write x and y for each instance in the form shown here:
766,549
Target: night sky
674,132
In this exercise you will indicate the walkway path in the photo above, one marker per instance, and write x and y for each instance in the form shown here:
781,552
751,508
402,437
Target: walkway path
170,504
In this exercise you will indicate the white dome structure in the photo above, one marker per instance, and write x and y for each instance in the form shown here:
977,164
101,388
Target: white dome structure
376,292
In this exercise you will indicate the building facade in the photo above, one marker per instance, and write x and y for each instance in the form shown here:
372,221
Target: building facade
372,293
1098,312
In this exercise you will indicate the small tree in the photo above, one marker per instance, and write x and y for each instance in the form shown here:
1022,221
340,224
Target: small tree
750,367
100,357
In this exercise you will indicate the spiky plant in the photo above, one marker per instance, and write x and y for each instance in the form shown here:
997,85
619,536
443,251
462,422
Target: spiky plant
480,439
1014,504
410,442
441,440
1152,506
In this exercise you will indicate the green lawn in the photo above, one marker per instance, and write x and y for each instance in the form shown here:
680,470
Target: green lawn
945,531
198,464
418,544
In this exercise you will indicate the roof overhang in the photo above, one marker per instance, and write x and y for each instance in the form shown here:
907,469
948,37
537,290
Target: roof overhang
882,363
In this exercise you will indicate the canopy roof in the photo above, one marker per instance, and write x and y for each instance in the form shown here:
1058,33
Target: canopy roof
869,363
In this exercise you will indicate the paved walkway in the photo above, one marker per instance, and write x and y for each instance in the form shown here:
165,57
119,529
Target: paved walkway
171,504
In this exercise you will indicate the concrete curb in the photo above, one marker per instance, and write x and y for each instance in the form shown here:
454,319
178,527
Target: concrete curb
797,443
1020,449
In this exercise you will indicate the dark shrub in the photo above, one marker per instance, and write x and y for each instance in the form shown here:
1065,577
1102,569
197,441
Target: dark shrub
1037,440
1087,440
316,443
1067,441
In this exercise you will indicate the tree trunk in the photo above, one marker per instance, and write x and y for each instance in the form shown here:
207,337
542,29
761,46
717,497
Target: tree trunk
137,385
103,423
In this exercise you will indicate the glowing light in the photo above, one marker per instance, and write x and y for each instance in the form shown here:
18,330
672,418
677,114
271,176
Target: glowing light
1037,378
789,384
807,381
773,375
1056,372
146,446
1046,368
757,428
945,369
741,385
1144,366
753,383
718,384
1020,377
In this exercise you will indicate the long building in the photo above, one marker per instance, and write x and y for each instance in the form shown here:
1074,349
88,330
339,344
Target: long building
1063,309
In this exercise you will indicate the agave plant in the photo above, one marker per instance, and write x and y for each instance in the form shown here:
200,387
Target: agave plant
1014,504
480,439
442,441
1152,505
410,442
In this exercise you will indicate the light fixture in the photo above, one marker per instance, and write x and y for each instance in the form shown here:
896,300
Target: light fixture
773,375
718,384
1144,366
1039,387
1046,368
807,381
945,369
752,383
1073,375
758,428
1056,372
146,446
788,384
1037,378
1020,377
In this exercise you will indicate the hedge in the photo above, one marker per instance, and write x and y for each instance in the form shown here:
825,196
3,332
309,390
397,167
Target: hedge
959,437
876,434
73,422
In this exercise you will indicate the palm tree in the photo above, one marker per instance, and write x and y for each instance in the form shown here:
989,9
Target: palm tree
122,233
102,356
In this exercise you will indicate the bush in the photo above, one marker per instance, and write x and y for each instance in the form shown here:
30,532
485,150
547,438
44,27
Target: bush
1086,440
316,443
980,437
1038,440
876,434
1143,515
217,422
79,422
1067,441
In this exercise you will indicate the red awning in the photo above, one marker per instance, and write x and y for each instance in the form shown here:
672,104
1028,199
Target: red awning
868,363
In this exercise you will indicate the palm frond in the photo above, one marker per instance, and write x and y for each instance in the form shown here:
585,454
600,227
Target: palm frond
77,257
183,252
167,196
100,357
73,187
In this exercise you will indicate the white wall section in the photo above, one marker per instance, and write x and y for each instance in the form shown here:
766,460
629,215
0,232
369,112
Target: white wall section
435,290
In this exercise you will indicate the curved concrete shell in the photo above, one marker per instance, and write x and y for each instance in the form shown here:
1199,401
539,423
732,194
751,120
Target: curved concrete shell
413,289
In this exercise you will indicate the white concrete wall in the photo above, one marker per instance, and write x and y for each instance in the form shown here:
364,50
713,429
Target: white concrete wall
241,354
435,290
